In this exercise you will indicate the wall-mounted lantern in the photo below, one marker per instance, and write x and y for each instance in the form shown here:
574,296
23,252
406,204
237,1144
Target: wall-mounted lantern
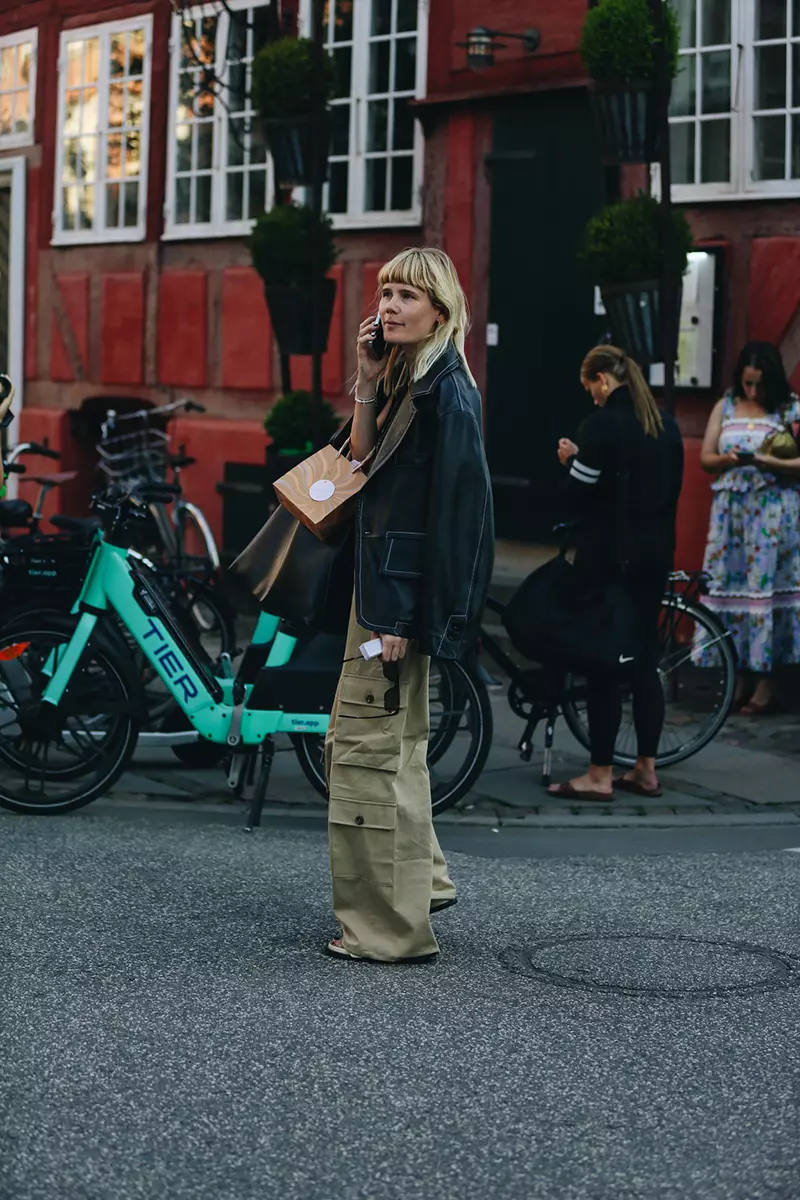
481,44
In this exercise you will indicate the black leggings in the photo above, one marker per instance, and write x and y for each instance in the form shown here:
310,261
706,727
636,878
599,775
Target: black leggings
645,586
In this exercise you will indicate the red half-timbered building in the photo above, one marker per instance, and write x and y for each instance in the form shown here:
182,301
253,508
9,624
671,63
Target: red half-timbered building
125,203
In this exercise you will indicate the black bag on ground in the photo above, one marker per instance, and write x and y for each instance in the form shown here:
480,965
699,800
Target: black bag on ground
557,619
296,576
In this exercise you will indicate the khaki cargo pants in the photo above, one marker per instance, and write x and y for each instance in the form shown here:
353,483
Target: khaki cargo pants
386,863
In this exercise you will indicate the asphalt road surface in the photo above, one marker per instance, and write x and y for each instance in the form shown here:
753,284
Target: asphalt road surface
602,1026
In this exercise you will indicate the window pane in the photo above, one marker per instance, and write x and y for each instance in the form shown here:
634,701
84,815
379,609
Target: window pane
183,155
684,94
70,169
342,63
237,36
131,204
686,11
205,146
114,156
375,189
6,114
203,199
343,21
377,124
116,104
716,22
403,134
234,200
133,153
406,15
379,67
136,44
405,70
770,148
402,175
340,118
236,142
91,60
7,68
257,192
86,208
715,152
716,68
682,146
69,207
117,55
112,205
770,19
183,197
770,77
24,64
88,158
337,192
89,113
795,147
22,112
796,75
133,115
237,88
74,71
796,18
381,17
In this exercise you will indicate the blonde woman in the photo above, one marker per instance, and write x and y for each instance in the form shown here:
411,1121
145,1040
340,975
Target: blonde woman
424,548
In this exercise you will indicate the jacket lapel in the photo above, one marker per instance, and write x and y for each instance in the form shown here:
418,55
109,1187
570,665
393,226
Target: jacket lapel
397,430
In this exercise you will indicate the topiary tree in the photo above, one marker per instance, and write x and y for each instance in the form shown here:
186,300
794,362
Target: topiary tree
295,422
283,77
622,243
618,44
280,245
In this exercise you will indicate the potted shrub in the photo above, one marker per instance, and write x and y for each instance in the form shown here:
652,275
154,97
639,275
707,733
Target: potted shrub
618,46
622,255
297,426
282,93
280,248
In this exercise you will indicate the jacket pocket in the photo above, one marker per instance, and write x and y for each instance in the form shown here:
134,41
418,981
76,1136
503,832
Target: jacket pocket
365,735
404,555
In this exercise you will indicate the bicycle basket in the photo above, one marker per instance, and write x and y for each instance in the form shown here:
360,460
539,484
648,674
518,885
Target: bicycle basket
47,563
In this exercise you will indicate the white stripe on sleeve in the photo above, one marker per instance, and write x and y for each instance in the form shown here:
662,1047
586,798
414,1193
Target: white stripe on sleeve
583,473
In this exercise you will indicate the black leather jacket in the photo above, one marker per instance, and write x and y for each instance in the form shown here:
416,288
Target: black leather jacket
424,530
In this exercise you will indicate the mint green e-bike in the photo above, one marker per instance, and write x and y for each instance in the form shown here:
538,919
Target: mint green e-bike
71,697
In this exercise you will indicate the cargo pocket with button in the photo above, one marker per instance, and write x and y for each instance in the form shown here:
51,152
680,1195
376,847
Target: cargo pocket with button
362,840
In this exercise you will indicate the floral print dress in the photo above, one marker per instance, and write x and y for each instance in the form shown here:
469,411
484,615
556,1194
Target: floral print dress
753,549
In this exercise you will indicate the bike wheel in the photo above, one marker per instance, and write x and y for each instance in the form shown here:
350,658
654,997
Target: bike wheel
697,668
461,733
56,759
198,540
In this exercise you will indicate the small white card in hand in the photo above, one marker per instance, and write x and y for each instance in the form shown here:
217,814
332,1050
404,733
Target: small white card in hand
371,649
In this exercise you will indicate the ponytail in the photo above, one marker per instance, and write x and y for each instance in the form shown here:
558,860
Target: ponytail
610,360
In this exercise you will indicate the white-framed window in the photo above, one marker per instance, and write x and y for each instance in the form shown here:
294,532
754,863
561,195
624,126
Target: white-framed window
103,120
17,88
219,176
735,109
379,49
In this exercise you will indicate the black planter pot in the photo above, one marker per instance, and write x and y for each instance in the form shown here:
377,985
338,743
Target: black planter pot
634,313
290,314
290,144
626,116
277,463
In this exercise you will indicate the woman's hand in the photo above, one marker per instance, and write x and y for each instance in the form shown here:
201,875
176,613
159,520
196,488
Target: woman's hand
728,460
368,368
566,450
394,648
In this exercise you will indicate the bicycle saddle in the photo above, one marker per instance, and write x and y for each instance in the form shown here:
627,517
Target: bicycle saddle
76,524
51,480
14,513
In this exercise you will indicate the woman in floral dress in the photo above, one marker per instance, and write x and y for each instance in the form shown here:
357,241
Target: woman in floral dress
753,550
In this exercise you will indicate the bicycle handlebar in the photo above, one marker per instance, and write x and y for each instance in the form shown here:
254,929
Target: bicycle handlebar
185,404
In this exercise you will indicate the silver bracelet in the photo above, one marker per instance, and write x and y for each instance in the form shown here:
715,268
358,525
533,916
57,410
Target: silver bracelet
371,400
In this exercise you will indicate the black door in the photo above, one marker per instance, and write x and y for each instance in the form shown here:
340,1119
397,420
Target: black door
547,181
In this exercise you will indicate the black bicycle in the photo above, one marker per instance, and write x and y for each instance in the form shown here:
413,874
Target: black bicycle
697,667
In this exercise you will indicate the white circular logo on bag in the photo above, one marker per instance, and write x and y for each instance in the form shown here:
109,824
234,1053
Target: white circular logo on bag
322,490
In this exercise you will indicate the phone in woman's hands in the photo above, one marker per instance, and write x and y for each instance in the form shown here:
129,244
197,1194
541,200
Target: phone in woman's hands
377,347
745,457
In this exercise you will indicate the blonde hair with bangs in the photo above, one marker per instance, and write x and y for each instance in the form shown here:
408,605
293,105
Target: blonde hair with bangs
431,271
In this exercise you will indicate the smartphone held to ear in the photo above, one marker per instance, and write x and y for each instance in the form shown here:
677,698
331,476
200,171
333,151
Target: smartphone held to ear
377,347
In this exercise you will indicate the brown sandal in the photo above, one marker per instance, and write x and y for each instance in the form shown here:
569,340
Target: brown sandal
636,789
565,791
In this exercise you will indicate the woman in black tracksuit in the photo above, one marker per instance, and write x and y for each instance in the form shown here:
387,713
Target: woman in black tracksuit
627,437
